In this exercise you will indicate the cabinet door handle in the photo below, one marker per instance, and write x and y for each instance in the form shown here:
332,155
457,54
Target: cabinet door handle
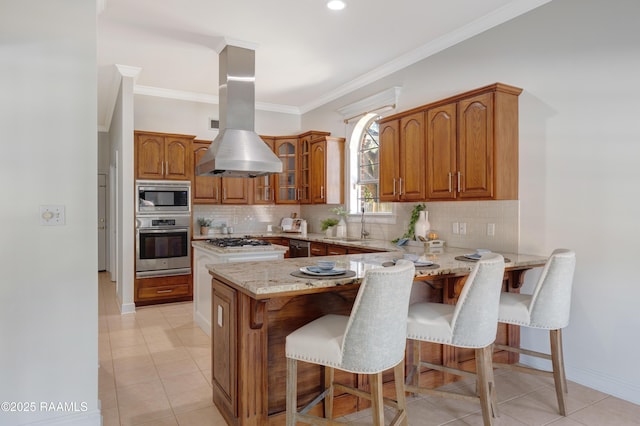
322,192
220,315
163,291
224,193
400,193
394,186
167,167
459,179
450,176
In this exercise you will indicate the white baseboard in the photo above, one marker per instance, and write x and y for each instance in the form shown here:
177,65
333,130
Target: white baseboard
202,322
613,386
89,418
128,308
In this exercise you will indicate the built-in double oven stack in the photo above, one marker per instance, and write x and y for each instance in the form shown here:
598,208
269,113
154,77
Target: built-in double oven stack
163,228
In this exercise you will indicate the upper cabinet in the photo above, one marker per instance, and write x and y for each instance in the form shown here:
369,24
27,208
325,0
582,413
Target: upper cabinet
442,148
213,189
264,186
294,184
304,169
307,176
205,189
402,158
163,156
461,148
472,146
327,170
287,182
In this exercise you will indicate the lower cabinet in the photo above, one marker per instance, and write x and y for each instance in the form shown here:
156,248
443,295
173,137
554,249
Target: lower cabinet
224,345
317,249
333,250
153,290
280,241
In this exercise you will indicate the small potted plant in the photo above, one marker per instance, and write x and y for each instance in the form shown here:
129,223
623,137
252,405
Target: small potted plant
328,224
204,224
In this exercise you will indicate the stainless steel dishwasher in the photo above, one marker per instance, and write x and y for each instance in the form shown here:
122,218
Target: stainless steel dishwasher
298,248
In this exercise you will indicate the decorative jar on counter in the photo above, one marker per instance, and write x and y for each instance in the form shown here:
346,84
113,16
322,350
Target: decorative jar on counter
422,226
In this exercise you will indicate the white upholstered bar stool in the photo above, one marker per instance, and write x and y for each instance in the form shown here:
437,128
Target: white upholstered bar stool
369,341
471,323
546,308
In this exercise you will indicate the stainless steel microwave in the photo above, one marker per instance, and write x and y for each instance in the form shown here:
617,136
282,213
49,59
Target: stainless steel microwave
163,197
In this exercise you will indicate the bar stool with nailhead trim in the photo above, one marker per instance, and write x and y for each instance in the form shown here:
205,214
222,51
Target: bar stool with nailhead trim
369,341
546,308
471,323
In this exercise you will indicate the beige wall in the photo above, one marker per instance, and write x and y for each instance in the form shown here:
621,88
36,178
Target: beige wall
578,63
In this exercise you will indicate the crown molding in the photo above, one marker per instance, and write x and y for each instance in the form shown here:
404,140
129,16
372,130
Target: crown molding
472,29
182,95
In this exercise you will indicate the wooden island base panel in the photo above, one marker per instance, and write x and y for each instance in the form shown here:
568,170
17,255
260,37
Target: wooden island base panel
255,306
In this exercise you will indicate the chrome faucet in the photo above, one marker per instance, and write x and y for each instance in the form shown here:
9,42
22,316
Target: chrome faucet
363,233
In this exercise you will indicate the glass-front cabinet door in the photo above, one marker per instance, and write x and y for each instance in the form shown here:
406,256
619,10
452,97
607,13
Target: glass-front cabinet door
304,187
287,182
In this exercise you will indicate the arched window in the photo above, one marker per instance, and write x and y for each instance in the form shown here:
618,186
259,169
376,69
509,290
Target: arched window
365,167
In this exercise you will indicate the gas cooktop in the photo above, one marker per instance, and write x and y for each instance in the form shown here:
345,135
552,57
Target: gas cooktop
232,242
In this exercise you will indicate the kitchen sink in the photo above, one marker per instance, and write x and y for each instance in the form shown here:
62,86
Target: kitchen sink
346,240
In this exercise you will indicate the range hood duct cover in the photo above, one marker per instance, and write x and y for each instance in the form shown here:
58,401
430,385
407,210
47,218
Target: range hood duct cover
237,151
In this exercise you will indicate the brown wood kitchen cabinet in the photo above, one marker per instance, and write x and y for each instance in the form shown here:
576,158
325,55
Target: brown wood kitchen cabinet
461,148
286,149
213,189
224,346
264,186
327,170
402,158
304,168
163,156
154,290
472,145
281,241
295,184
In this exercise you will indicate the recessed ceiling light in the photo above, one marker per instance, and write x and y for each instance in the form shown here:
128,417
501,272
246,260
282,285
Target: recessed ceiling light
336,4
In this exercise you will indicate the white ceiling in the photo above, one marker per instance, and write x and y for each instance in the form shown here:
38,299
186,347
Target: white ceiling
306,54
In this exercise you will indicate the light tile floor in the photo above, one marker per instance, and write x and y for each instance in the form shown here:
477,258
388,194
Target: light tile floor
155,370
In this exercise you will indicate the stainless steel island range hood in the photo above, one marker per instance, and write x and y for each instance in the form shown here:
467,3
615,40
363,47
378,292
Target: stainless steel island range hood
237,151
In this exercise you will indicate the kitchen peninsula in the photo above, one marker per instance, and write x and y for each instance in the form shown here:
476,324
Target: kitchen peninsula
256,305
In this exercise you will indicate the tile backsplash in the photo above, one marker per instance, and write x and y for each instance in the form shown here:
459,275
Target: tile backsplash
476,215
245,219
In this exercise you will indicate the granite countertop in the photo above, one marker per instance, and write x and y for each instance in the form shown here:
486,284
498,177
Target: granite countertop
319,237
201,244
262,281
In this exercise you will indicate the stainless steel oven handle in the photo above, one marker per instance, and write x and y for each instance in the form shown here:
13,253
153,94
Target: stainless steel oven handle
162,230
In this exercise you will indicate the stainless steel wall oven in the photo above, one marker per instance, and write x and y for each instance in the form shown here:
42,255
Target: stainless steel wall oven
163,245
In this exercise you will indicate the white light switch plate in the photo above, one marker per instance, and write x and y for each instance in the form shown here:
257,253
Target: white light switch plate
52,215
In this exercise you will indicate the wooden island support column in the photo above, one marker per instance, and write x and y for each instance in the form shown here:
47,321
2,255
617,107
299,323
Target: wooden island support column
255,306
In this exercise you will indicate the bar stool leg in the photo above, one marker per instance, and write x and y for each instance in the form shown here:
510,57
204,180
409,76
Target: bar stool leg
398,376
328,385
292,391
376,399
416,363
483,364
559,377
